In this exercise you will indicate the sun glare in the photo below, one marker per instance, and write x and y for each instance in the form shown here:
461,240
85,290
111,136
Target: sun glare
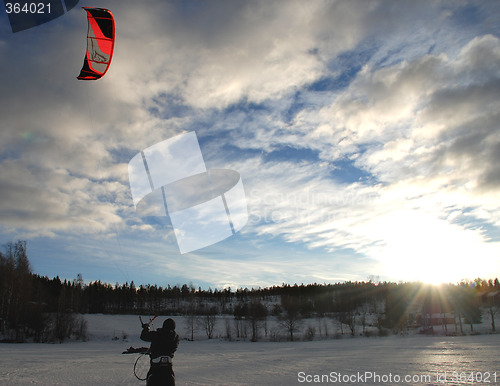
419,247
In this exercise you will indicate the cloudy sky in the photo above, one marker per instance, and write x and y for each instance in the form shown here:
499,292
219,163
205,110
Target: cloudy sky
366,134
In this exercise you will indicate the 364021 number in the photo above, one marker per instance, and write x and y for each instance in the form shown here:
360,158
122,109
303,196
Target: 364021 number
27,7
475,377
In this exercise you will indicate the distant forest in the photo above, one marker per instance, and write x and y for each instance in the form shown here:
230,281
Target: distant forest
42,309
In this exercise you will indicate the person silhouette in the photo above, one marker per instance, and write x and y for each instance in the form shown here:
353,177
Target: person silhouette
164,343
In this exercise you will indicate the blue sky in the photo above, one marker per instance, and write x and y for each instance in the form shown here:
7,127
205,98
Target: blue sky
366,135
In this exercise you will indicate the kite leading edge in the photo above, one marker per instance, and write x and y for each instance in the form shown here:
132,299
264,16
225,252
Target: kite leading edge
100,43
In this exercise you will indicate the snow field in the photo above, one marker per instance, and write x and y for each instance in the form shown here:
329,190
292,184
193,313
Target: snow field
219,362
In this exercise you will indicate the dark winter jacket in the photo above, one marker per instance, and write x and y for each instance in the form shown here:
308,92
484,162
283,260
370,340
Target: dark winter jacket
163,341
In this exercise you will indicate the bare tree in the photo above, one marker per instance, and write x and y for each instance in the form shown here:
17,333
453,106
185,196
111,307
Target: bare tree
291,321
493,306
15,287
191,317
292,324
256,315
207,321
348,318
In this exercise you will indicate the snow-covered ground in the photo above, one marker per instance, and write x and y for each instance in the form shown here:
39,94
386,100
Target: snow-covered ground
391,360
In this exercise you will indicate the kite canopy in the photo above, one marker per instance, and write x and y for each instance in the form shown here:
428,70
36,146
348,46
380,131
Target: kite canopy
100,43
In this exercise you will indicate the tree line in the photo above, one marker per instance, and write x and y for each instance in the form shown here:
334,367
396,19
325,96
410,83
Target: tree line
47,309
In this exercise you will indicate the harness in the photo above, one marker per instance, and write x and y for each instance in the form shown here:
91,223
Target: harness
161,361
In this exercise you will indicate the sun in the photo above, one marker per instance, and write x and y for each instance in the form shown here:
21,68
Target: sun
420,247
436,280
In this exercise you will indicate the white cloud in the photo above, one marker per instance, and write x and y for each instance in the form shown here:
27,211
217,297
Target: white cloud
41,202
427,161
421,117
218,56
404,227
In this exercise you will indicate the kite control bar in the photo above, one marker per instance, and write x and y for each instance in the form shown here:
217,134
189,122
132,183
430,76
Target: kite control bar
150,320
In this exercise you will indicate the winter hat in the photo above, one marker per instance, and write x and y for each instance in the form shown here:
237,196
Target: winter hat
169,324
